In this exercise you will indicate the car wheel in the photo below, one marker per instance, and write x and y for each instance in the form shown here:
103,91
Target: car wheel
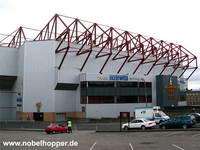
143,127
184,126
126,128
163,127
47,132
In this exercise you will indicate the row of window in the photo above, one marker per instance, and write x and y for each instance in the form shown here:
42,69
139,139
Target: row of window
118,99
194,103
193,98
170,92
118,84
193,94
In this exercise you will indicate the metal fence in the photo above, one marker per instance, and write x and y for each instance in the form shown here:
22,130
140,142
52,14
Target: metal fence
23,124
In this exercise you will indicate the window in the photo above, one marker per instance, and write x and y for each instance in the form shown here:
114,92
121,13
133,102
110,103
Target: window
83,109
83,84
146,120
60,116
139,121
133,121
127,99
83,99
100,99
149,99
60,125
127,84
100,84
157,115
170,93
142,99
141,85
145,85
148,84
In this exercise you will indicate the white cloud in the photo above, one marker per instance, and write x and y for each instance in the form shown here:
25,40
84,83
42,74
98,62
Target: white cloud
2,4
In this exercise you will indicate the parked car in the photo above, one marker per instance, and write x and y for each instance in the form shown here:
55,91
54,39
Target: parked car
197,116
180,121
139,123
56,128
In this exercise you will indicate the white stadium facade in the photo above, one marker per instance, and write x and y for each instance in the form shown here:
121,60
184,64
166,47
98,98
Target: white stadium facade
74,68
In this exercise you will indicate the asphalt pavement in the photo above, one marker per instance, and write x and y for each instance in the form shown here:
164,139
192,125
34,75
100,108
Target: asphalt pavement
90,140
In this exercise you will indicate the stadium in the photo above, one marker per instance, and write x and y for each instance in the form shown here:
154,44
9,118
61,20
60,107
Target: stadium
79,69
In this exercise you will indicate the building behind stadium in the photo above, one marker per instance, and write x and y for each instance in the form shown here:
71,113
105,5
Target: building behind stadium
74,68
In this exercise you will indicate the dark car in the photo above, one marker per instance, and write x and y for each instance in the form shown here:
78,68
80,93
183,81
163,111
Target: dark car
197,117
181,121
56,128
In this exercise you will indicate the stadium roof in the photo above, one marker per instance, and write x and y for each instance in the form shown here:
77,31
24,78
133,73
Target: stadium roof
114,44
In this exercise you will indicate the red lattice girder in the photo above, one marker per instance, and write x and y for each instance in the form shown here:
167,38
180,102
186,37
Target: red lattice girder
160,53
65,48
111,43
123,48
122,45
63,37
18,38
50,31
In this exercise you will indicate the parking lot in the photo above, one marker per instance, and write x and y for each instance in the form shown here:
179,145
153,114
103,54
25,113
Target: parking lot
90,140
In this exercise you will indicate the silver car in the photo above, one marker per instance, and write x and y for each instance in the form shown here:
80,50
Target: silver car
139,123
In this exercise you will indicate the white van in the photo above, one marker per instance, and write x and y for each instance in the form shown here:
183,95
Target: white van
151,113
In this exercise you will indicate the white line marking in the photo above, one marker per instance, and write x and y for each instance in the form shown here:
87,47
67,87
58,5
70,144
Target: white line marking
93,145
196,135
131,146
174,133
177,147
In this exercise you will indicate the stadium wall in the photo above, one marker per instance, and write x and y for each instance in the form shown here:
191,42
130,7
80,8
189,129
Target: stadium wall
36,67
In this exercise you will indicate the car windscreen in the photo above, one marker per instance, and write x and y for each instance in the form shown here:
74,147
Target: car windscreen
187,117
192,117
145,120
196,115
61,125
133,121
157,115
52,125
173,118
162,113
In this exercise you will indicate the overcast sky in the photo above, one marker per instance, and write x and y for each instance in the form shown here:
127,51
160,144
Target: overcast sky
176,21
